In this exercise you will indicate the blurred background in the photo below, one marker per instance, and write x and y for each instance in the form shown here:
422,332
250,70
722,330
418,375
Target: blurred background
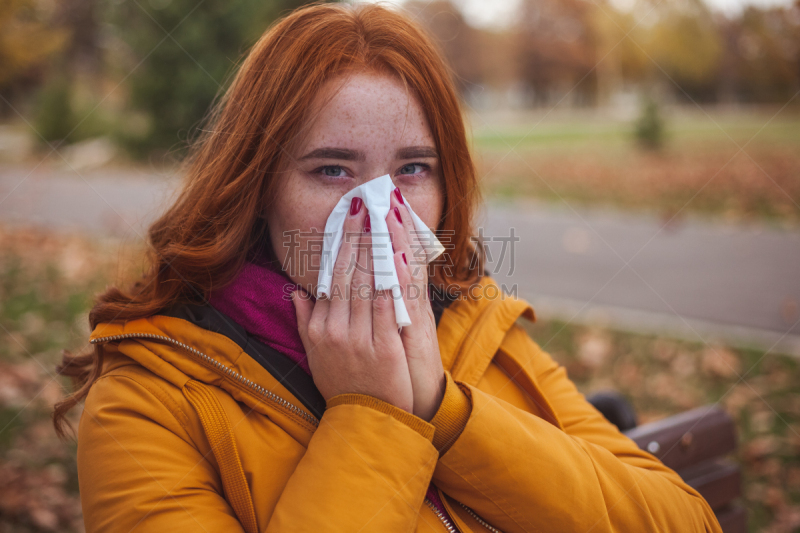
640,161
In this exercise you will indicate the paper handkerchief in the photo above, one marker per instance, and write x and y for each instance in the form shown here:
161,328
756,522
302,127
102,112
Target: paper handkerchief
376,197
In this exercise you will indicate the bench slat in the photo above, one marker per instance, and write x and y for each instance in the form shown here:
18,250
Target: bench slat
718,481
733,519
688,438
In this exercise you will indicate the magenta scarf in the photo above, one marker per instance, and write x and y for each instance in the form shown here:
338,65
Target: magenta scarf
259,300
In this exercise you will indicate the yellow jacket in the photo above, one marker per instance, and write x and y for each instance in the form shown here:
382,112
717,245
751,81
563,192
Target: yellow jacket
185,431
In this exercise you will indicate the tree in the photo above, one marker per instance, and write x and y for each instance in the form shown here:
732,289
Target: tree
182,54
620,58
763,54
556,48
457,40
27,40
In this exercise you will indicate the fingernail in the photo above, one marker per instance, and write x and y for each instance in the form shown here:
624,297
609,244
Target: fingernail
398,194
367,225
397,214
355,205
404,258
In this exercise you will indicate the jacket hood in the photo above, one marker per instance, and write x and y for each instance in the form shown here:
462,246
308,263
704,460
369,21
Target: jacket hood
470,331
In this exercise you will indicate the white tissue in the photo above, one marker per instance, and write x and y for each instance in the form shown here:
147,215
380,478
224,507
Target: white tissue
376,195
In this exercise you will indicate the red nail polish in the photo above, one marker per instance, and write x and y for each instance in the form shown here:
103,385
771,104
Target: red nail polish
404,258
397,214
355,205
367,225
398,194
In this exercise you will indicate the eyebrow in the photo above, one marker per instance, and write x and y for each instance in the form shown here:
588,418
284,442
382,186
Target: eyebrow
328,152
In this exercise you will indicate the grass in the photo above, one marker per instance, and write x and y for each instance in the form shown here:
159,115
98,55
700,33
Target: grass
47,282
532,129
46,287
591,161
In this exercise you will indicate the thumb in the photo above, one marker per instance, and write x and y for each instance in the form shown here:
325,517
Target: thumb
303,307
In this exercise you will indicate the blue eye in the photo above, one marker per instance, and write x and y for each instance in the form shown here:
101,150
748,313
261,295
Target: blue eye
333,171
409,168
336,171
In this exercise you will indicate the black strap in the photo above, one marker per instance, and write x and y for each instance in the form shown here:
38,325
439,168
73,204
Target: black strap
287,372
440,300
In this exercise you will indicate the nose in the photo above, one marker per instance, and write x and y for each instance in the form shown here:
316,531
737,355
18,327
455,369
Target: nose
372,174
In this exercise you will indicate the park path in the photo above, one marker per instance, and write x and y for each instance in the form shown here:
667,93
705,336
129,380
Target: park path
700,280
695,279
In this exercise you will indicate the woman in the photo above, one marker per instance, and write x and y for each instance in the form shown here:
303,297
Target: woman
215,403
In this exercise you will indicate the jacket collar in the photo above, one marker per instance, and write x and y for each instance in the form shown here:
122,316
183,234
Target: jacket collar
470,331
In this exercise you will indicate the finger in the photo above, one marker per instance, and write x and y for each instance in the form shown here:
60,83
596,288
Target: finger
402,228
422,330
410,290
319,317
398,231
384,323
416,301
339,310
363,282
303,308
405,238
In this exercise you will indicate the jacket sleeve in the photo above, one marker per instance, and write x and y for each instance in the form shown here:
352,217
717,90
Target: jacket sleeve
522,473
138,469
366,468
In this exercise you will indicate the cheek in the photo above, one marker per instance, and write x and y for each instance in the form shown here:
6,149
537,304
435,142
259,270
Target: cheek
297,213
293,225
427,203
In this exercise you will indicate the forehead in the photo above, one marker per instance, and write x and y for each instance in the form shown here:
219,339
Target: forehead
368,109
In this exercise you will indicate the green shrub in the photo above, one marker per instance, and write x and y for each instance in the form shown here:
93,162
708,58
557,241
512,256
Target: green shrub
649,128
54,119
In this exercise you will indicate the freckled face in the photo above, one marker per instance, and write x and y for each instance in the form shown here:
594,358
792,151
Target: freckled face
362,126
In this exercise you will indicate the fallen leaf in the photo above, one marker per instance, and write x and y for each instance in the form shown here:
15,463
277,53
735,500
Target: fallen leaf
594,349
721,362
760,447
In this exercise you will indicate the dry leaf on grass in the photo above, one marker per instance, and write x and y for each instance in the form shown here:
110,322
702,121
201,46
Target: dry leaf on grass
721,362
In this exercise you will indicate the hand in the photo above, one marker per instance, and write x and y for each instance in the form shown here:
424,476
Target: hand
351,338
419,339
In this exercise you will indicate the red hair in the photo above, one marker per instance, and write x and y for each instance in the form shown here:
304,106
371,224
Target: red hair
218,219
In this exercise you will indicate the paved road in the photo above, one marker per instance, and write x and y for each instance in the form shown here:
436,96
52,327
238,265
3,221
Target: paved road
699,280
110,203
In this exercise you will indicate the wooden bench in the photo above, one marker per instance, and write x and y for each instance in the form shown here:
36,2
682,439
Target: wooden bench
695,444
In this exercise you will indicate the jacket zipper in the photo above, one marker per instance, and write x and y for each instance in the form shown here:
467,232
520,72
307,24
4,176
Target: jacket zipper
228,371
450,526
480,520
